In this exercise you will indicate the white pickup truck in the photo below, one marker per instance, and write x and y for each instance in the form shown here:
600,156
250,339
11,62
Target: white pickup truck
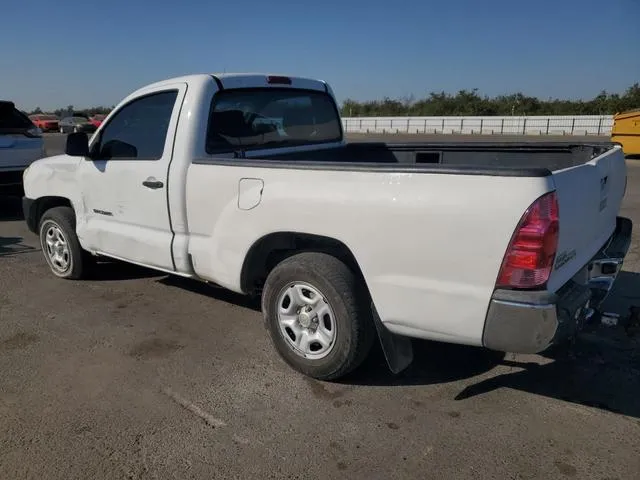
246,181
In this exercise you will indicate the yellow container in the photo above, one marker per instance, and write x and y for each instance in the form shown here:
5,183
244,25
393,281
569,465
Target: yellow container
626,131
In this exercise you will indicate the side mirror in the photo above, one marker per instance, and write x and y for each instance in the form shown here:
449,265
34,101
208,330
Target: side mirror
77,145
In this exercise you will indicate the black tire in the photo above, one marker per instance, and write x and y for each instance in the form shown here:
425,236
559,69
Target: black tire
79,260
348,299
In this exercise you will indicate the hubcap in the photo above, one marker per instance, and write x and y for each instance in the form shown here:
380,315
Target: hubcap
56,248
306,320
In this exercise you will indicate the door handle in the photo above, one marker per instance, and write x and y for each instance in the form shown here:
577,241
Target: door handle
153,183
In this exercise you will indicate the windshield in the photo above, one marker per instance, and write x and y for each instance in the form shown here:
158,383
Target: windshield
78,119
12,119
273,117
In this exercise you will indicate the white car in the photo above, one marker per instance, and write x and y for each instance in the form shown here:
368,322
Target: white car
21,144
245,181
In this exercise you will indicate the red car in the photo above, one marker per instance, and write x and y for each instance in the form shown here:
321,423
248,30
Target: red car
45,122
97,119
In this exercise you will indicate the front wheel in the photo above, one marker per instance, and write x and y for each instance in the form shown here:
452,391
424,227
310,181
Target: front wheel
318,316
60,244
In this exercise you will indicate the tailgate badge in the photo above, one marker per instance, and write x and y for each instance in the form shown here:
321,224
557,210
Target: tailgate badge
563,258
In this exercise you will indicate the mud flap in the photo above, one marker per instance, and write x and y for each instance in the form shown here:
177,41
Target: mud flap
398,350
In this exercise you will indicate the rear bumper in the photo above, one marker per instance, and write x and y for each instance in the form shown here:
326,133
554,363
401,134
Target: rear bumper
530,322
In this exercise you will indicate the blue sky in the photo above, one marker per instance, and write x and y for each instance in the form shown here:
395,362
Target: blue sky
57,53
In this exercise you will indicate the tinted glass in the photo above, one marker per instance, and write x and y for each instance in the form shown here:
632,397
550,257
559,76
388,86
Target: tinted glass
12,119
139,129
271,117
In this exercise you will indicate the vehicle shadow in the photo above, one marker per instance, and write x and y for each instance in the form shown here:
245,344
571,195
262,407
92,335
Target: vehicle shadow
626,293
212,291
108,270
13,246
604,371
10,208
433,363
601,370
603,378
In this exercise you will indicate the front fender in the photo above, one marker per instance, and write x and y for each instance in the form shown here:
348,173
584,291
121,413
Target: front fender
30,213
50,180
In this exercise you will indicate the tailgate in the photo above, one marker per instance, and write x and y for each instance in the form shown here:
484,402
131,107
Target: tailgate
589,199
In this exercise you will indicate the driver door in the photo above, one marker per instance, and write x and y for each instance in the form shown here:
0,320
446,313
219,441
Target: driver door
125,181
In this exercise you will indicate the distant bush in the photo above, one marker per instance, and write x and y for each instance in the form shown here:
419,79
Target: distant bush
65,112
467,102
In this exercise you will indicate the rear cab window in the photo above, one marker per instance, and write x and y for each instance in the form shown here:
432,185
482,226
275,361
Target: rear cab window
257,118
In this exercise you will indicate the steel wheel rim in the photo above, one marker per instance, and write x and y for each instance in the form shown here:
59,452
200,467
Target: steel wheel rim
306,320
56,247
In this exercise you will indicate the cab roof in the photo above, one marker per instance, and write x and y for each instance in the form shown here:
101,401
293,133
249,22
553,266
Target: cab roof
248,80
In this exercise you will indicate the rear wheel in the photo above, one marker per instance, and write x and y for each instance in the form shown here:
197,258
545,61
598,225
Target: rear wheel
317,314
60,244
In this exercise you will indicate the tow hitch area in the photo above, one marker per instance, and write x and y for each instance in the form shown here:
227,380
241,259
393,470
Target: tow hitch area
629,322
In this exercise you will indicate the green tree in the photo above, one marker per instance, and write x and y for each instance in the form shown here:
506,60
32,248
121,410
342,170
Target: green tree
470,102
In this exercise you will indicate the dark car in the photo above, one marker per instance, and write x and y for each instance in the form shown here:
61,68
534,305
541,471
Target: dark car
76,124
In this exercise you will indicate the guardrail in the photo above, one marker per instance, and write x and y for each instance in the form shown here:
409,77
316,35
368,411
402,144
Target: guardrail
524,125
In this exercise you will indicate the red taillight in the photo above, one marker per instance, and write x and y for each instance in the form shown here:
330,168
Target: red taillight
278,79
529,258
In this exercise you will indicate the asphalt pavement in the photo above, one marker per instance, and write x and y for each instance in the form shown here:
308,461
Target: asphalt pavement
137,374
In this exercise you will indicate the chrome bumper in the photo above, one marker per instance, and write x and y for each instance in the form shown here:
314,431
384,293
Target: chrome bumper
530,322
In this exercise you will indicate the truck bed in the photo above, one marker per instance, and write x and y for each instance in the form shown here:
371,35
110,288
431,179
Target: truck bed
589,180
551,156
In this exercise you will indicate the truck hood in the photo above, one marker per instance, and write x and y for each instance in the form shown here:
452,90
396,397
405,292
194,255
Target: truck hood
61,159
49,174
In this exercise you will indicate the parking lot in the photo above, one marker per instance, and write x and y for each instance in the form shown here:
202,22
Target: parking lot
138,374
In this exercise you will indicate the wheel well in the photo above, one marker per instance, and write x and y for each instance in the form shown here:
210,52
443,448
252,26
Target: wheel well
43,204
271,249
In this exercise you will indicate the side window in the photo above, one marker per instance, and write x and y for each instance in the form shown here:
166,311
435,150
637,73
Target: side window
139,129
